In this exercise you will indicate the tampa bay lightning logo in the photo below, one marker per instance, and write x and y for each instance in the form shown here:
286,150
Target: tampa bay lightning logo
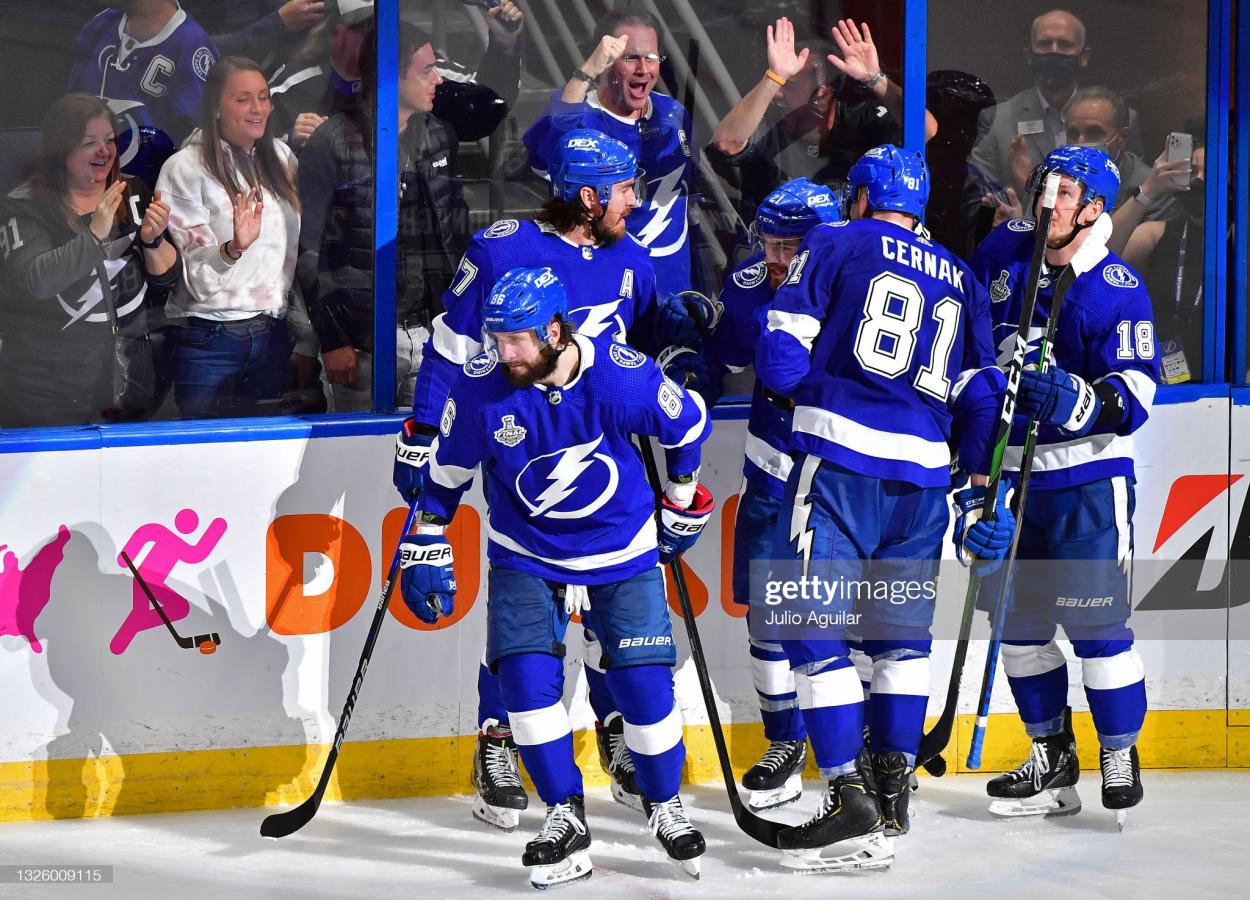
482,364
1021,225
88,306
502,228
1119,276
626,357
571,483
599,319
751,276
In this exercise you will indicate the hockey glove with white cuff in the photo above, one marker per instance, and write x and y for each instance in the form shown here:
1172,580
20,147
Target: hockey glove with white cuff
978,539
687,318
680,525
412,458
428,583
1055,397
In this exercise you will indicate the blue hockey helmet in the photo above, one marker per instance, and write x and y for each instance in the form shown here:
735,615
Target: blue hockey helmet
525,298
588,158
796,207
1089,167
897,180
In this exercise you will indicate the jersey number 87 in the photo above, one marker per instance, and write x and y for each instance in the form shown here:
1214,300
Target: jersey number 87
886,340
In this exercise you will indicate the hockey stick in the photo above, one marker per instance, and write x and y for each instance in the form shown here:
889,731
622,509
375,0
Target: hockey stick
186,643
935,741
1091,252
763,830
288,822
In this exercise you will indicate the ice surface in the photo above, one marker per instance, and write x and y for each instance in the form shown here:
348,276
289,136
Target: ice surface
1191,837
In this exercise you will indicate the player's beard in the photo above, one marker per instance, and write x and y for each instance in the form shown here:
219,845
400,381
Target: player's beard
604,235
523,375
776,274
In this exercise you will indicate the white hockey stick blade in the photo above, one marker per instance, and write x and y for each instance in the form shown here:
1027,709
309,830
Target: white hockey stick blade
574,867
779,796
1053,802
496,816
872,851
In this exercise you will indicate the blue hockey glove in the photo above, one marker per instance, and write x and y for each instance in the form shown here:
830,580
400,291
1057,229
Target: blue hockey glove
687,318
1055,397
690,369
412,457
428,583
680,527
978,539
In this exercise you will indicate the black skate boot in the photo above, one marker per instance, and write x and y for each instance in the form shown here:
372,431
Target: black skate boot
616,761
561,851
1121,781
500,796
681,841
1045,783
777,779
894,786
849,812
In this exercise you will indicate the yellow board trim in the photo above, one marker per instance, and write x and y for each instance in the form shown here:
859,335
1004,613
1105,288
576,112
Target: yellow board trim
373,770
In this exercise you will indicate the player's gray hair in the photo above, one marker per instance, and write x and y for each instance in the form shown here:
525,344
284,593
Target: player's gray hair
1119,108
1080,26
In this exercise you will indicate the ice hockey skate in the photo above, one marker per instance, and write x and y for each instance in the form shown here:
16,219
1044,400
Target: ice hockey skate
1121,782
616,761
777,779
681,841
561,852
1045,783
894,779
847,830
498,795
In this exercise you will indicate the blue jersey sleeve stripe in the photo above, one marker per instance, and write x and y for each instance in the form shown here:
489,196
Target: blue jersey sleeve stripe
457,348
872,442
800,326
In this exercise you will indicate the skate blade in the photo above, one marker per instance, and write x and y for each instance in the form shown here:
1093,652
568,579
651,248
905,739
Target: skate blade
1121,819
689,867
771,799
872,851
1051,802
496,816
574,867
625,798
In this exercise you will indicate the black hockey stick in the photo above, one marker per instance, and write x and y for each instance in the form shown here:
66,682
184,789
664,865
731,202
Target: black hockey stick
935,741
763,830
186,643
289,821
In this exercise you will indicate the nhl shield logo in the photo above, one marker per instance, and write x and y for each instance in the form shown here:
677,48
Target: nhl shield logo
509,432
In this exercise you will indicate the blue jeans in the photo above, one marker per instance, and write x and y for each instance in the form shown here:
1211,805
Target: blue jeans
231,368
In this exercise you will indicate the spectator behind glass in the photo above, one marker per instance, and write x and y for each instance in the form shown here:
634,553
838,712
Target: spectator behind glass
324,76
828,110
235,217
1014,136
263,30
336,237
623,70
85,262
474,104
148,60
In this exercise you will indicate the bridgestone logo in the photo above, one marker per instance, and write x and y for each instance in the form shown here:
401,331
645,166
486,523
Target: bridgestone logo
652,640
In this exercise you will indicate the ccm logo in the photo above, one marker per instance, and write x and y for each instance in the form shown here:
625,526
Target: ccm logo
653,640
1084,602
425,556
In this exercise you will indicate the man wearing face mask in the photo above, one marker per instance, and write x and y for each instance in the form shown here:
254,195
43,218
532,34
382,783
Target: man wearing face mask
1016,134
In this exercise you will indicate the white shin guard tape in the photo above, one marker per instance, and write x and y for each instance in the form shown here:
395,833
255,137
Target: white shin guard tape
772,676
831,687
1026,661
901,676
1106,673
539,726
652,740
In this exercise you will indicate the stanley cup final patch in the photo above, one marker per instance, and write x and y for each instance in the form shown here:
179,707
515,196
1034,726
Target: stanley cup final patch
509,432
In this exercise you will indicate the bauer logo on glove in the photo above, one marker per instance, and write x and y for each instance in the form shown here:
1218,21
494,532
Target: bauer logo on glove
680,527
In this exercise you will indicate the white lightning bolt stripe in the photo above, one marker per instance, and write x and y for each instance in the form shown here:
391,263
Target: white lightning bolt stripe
598,319
667,192
800,534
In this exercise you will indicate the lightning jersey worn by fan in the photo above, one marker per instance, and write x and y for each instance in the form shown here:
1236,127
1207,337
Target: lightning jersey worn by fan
660,139
565,486
883,340
610,290
157,82
746,297
1105,333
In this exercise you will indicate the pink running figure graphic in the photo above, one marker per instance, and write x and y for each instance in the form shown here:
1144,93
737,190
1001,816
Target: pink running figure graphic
25,592
168,549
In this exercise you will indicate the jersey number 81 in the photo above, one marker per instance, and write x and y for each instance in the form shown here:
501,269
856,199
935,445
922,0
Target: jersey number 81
886,340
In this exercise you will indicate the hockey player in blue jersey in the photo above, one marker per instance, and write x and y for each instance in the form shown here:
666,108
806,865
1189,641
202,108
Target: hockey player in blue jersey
613,92
881,340
547,414
784,217
580,234
1096,394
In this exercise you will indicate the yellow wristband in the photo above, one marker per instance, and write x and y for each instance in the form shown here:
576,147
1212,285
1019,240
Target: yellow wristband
774,78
